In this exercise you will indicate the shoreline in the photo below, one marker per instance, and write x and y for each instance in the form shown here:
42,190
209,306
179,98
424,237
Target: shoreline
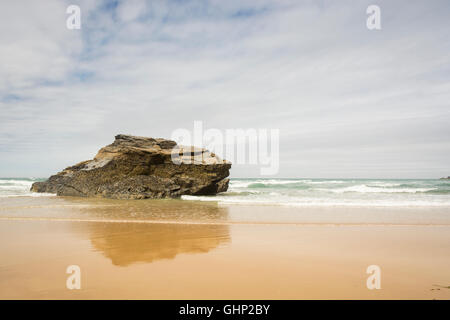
211,212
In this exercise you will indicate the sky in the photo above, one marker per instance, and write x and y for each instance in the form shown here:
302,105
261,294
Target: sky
349,102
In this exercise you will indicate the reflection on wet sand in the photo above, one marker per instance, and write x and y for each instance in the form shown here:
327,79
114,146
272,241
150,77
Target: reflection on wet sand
128,243
125,242
157,210
173,210
130,231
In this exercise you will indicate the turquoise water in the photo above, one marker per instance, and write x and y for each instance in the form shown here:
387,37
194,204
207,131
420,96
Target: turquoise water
304,192
335,192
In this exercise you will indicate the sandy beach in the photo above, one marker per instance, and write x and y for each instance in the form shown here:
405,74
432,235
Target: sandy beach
225,150
175,249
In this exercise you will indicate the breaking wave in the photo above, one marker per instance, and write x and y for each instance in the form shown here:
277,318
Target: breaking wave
334,192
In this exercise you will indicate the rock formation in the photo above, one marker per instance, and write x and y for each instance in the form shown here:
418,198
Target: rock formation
138,168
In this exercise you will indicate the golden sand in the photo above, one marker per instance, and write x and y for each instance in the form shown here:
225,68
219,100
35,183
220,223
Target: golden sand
187,250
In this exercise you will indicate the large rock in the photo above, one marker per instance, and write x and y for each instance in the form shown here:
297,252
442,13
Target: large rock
138,168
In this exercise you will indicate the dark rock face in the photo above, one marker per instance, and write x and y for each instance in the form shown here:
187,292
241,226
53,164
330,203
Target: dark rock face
139,168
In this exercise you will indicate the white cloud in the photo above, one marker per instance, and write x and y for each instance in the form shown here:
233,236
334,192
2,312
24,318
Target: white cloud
130,10
337,91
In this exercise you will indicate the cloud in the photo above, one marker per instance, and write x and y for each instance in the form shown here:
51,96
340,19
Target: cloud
342,96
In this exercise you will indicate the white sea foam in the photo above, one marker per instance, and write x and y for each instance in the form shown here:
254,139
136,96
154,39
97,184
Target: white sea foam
383,184
328,182
16,182
239,184
322,192
320,203
18,188
267,182
277,182
30,194
366,189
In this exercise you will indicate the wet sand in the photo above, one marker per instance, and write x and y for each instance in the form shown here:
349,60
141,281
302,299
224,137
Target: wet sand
187,250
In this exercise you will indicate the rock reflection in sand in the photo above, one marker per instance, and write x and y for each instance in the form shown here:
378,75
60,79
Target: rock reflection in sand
156,210
128,243
150,239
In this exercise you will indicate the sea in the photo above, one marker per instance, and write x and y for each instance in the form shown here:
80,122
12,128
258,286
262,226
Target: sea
302,192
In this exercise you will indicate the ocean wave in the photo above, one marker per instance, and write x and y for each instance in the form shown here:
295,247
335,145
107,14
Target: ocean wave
240,193
239,184
334,192
368,189
14,187
19,187
384,185
329,182
265,182
320,203
302,192
29,194
279,186
10,182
